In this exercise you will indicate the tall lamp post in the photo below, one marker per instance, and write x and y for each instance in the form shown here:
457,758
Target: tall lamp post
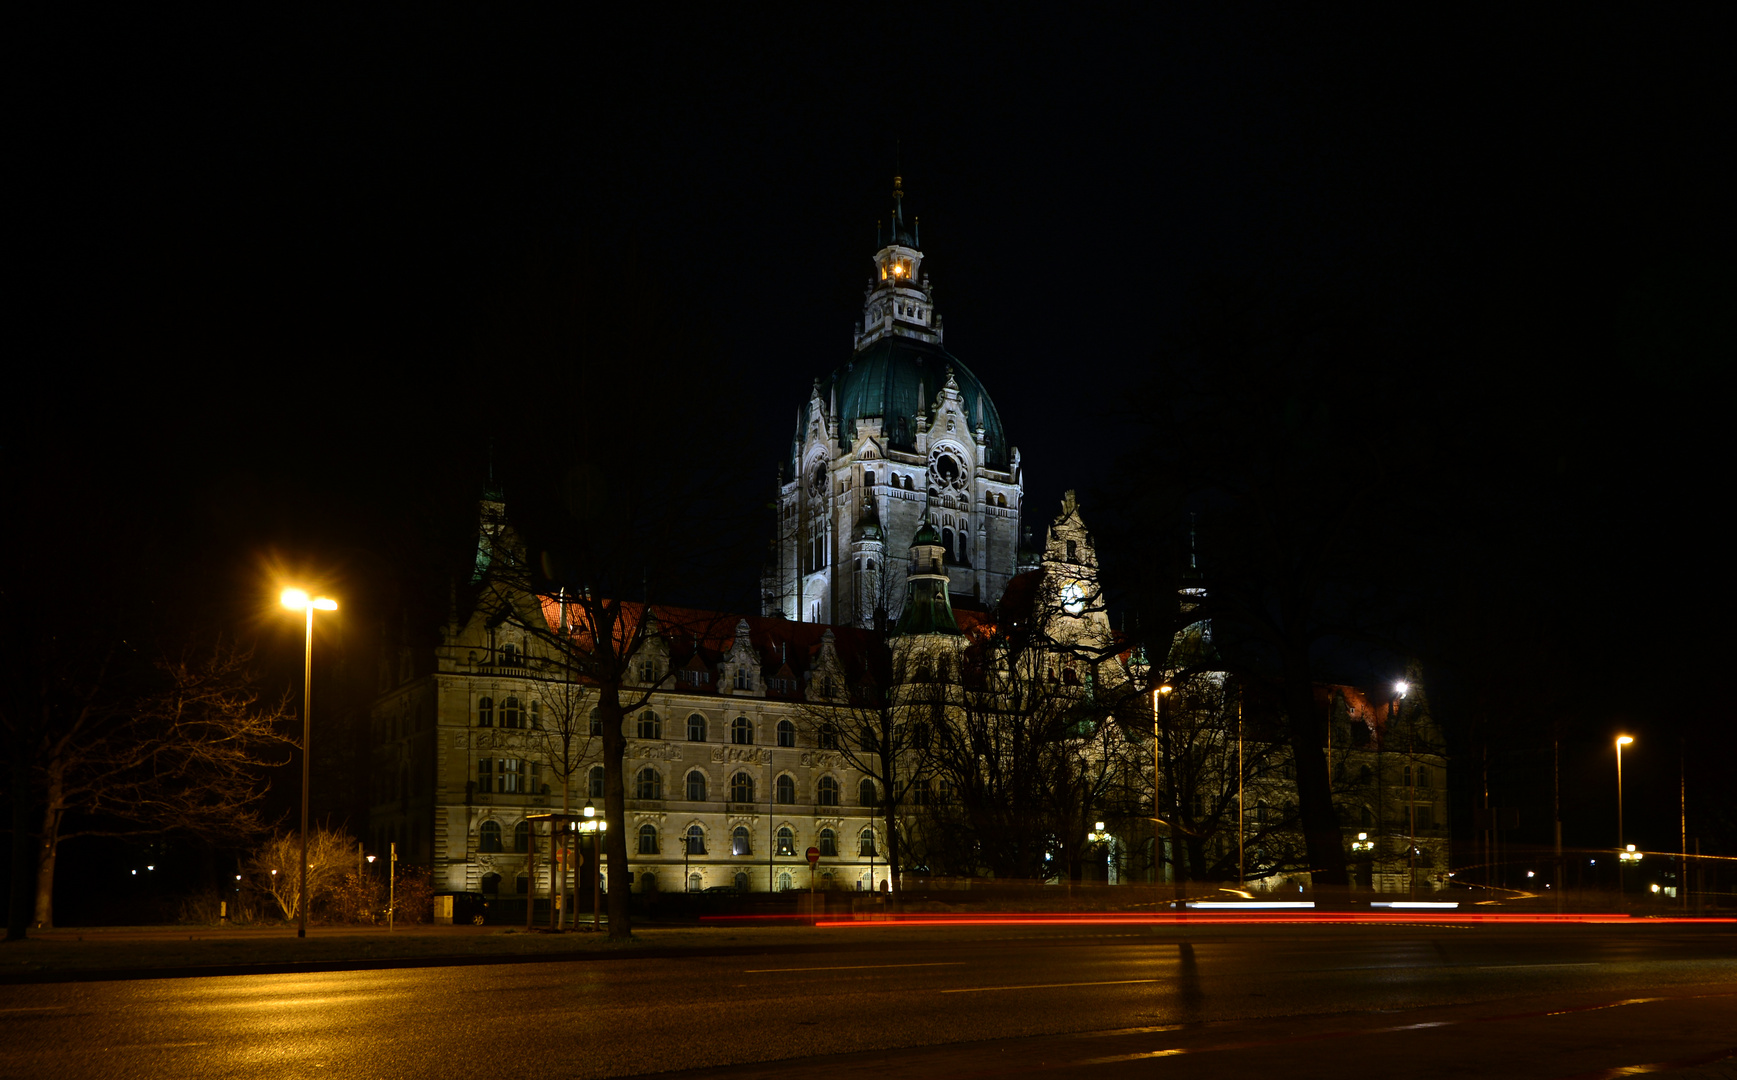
299,600
594,825
1159,694
1622,852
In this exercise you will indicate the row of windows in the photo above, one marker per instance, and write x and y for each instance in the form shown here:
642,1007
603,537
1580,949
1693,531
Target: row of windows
648,784
742,841
489,840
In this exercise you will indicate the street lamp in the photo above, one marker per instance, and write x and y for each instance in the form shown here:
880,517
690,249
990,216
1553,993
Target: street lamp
298,600
1159,693
593,825
1400,689
1621,741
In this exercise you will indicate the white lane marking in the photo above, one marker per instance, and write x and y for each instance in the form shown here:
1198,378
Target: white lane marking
759,971
1047,986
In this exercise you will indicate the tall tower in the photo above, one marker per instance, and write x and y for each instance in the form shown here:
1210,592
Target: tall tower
900,426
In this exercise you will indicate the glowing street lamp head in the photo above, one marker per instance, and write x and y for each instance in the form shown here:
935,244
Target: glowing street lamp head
298,600
1401,687
1623,740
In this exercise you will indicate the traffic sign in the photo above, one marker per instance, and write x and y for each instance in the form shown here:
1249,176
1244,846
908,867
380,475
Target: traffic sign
813,856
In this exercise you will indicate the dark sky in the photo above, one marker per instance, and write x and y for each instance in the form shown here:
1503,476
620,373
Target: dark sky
268,256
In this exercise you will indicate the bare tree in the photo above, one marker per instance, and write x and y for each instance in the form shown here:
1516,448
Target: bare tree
274,867
107,745
883,718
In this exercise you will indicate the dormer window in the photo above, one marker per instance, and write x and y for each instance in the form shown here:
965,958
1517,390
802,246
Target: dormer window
744,681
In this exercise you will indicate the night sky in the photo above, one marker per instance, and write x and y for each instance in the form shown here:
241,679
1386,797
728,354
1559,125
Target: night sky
276,266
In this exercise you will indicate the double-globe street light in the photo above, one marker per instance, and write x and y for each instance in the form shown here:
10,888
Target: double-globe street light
299,600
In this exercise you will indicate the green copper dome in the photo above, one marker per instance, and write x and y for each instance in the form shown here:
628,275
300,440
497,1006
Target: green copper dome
892,378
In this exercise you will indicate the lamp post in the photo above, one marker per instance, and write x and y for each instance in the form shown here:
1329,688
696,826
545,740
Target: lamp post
1621,861
299,600
1400,689
1159,694
593,825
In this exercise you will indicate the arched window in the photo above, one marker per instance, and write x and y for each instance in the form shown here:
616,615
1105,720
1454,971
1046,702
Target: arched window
695,884
741,882
648,839
786,733
829,736
489,837
650,725
784,882
868,478
696,786
1366,817
826,791
786,788
522,837
1073,551
865,793
510,713
740,842
650,785
828,842
596,791
742,731
596,721
741,787
947,544
696,728
786,841
865,847
491,884
509,655
485,712
647,880
696,840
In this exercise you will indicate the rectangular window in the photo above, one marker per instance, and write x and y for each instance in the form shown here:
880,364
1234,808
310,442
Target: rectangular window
742,680
1426,817
536,787
511,771
485,775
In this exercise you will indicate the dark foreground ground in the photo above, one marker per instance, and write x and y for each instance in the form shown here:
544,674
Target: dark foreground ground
1411,1000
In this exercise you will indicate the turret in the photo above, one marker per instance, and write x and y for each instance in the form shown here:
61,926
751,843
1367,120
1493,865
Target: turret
928,610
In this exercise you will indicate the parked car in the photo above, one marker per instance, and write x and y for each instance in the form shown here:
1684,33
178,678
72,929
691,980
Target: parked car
467,907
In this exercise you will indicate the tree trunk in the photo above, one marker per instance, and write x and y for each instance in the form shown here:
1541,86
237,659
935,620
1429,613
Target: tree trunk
1320,821
48,845
615,813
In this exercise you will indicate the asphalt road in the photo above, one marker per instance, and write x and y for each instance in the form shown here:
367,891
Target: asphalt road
1564,1001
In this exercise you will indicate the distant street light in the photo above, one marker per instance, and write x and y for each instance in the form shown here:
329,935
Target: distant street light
1621,741
298,600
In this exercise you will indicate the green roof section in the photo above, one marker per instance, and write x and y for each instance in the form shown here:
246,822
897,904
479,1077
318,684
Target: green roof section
891,378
